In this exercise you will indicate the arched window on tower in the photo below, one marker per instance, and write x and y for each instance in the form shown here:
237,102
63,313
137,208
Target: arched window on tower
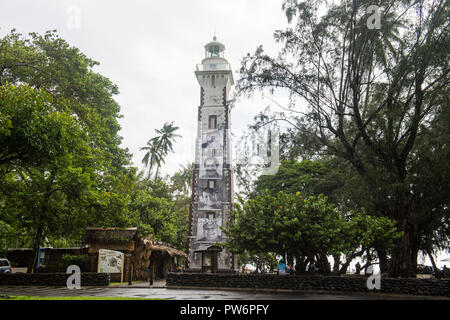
213,81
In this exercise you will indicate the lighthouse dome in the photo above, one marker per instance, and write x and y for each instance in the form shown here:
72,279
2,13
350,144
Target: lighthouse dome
214,49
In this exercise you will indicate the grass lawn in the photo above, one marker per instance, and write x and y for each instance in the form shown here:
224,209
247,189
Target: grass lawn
72,298
119,283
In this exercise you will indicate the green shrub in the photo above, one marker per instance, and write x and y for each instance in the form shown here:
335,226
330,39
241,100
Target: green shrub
82,261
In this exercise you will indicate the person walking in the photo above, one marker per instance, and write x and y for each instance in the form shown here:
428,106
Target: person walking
358,268
312,267
291,269
282,268
151,273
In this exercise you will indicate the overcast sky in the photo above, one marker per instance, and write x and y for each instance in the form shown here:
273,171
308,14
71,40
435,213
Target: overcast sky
150,48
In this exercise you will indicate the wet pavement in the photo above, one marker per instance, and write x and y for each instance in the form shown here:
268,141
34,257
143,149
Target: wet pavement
144,291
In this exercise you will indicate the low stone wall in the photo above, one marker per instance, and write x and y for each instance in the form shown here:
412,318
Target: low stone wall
220,271
53,279
22,257
310,283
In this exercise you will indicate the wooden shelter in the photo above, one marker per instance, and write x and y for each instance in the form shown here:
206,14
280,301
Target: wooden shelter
157,256
141,254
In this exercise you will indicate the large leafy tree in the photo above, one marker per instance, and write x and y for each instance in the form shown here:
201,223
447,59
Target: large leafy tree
160,210
304,227
328,177
371,96
61,165
154,216
431,187
181,189
308,177
47,62
52,189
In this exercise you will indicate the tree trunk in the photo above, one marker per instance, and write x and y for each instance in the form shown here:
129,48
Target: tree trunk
36,252
382,256
323,264
401,265
436,271
39,214
414,253
336,264
344,267
401,258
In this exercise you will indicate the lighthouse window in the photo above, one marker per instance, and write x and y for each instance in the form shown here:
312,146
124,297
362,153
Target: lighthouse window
207,260
213,81
212,123
216,50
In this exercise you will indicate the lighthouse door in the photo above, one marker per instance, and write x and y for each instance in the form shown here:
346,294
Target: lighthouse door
209,262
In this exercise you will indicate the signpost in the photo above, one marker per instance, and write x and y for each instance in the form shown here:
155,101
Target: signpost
110,261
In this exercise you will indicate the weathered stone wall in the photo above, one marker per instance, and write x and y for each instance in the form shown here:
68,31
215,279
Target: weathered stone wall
221,271
53,279
314,283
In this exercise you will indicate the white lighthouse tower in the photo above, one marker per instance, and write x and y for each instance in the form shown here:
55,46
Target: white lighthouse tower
212,178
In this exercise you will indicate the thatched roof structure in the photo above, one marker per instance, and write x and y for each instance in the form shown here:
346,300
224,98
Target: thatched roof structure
171,251
152,245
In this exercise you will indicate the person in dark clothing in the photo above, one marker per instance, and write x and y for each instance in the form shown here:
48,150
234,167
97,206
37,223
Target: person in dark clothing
358,268
150,272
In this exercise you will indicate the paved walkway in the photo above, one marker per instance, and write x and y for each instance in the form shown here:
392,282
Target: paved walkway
187,294
156,284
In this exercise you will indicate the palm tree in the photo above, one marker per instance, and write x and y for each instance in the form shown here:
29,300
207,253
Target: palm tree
153,157
158,147
166,137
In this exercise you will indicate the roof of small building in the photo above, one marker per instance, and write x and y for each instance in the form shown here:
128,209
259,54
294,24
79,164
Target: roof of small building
111,234
171,251
208,247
